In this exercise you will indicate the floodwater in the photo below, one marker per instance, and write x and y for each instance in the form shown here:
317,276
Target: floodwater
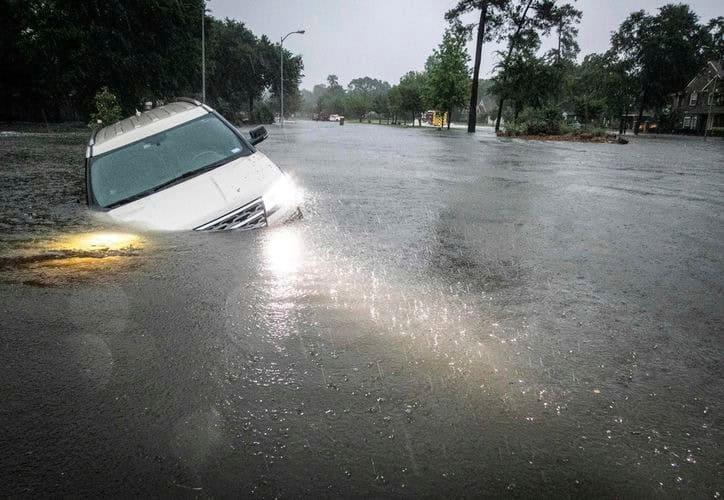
455,315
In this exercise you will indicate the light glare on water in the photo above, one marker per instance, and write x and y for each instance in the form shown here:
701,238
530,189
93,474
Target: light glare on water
466,315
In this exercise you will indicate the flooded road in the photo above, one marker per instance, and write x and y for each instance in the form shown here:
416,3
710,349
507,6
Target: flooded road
455,315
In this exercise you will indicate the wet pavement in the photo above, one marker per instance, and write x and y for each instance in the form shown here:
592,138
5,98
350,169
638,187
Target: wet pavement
455,315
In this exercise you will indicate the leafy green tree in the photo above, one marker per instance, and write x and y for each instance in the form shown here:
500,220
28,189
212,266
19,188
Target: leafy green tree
491,16
620,89
527,81
357,105
525,21
236,75
107,110
140,49
412,94
394,99
714,48
588,90
334,99
364,93
564,20
447,74
381,104
663,51
517,21
145,51
603,89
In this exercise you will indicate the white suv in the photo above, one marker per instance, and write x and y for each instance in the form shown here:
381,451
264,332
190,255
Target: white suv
182,166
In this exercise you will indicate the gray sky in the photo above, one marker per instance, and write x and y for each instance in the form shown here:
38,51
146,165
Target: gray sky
386,38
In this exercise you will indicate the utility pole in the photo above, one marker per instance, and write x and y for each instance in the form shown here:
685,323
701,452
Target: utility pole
203,52
710,98
281,81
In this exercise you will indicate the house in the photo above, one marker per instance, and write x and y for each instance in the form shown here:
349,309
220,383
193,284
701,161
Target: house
701,103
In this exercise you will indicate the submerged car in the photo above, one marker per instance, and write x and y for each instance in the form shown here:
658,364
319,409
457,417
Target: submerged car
182,166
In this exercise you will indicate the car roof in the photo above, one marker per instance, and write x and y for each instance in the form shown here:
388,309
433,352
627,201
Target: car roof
144,124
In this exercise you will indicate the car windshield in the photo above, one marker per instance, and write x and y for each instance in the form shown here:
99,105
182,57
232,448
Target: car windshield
160,160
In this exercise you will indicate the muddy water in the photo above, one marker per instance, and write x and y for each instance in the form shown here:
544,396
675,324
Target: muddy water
455,315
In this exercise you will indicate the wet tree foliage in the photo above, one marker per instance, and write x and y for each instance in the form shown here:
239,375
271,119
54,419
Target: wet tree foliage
664,51
447,74
57,55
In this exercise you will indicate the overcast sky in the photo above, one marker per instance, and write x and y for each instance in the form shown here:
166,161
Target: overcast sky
386,38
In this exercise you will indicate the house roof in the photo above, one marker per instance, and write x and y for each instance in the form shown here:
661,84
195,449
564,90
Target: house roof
718,67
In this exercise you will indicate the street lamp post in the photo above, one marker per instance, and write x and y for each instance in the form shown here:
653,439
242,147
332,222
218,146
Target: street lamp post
281,81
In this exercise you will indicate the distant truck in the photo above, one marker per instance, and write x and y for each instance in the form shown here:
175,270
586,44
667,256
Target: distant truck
336,118
436,118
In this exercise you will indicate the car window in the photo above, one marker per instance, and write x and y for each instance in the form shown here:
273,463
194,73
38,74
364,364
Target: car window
158,160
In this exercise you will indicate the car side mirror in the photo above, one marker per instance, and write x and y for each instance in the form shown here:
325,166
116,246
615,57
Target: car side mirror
258,134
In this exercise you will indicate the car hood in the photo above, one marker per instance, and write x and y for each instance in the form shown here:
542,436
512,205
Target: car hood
203,198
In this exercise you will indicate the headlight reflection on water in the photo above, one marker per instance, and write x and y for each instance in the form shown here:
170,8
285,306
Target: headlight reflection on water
70,257
284,251
448,328
98,242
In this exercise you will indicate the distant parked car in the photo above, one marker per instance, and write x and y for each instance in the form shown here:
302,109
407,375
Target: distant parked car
182,166
335,118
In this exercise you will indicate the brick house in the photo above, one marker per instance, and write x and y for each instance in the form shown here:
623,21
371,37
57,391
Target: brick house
701,103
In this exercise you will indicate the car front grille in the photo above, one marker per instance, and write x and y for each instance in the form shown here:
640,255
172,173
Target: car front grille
250,216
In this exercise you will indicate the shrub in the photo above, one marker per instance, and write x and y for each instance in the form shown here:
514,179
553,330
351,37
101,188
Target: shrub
107,110
593,131
515,129
262,114
546,121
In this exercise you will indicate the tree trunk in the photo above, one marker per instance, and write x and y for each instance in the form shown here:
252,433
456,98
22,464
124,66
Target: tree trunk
449,118
473,110
251,105
558,52
518,28
620,121
641,113
501,101
413,118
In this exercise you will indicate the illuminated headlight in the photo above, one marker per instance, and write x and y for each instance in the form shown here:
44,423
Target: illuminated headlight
284,193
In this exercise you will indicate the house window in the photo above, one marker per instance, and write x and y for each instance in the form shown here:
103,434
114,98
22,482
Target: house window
687,121
694,97
719,121
693,122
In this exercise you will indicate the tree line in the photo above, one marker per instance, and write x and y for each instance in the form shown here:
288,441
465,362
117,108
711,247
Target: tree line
442,85
57,55
651,56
